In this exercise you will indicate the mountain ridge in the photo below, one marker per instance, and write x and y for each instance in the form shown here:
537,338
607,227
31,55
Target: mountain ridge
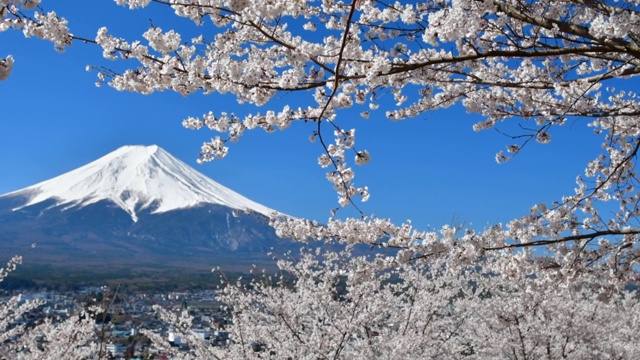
137,177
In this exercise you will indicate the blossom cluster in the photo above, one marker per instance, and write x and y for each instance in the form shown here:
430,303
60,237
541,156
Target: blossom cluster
22,15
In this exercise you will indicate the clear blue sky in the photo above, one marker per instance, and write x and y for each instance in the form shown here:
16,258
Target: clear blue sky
429,169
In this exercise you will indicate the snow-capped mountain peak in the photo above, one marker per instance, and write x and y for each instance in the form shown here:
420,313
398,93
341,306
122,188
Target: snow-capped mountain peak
137,178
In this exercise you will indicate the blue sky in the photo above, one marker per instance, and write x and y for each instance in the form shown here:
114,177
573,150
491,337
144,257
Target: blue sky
430,169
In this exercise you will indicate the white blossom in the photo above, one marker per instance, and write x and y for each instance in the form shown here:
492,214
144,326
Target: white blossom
6,65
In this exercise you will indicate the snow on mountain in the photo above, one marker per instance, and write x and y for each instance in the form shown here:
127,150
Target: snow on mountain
137,178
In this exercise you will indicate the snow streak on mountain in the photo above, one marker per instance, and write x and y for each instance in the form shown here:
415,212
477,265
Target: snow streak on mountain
137,178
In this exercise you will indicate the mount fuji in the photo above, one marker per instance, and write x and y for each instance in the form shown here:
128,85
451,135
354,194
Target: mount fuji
136,205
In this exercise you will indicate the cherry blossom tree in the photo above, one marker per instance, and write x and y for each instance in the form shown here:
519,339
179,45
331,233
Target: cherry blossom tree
71,338
550,283
341,305
537,63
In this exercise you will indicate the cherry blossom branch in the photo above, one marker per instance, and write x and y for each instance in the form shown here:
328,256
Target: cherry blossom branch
564,239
